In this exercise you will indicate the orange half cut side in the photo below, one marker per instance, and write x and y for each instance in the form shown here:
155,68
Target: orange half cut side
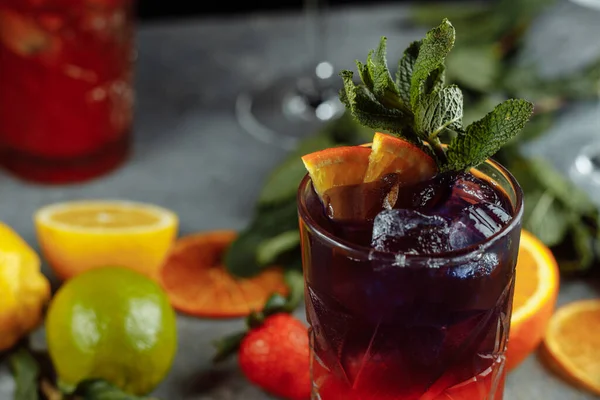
536,289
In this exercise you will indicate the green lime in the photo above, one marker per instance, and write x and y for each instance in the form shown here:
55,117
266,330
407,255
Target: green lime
113,324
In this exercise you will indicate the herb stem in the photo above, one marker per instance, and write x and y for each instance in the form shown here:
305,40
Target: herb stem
438,149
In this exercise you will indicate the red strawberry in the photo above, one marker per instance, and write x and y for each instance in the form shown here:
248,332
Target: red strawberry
275,356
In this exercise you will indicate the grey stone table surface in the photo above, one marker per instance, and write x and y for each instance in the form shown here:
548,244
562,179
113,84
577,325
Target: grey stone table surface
192,156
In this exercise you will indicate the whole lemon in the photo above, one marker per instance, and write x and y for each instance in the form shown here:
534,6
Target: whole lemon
24,290
114,324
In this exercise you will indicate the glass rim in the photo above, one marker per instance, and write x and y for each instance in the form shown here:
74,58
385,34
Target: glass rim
456,256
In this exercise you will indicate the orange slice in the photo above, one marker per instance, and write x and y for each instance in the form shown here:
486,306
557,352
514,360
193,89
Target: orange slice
393,155
572,344
337,166
198,284
536,288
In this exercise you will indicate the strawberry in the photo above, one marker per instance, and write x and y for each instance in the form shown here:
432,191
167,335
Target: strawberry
275,357
273,352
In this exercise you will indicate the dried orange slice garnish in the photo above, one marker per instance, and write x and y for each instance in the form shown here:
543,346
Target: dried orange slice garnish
572,344
536,288
197,282
390,154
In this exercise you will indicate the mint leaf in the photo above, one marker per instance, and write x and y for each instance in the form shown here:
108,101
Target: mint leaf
483,138
433,51
405,71
26,372
435,81
439,110
384,87
368,111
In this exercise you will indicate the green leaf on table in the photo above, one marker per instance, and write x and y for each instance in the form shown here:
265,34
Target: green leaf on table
241,258
439,110
282,184
96,389
474,67
568,194
432,53
579,246
477,109
270,249
545,218
26,372
227,346
483,138
580,85
538,125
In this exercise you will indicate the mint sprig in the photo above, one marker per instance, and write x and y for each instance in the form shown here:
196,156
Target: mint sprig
418,106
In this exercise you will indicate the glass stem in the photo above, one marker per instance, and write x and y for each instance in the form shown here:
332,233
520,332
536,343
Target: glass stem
315,18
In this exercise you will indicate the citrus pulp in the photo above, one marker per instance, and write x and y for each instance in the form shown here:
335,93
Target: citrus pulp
572,343
81,235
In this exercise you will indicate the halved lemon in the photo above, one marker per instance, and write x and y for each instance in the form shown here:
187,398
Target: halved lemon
81,235
572,344
198,284
536,289
390,154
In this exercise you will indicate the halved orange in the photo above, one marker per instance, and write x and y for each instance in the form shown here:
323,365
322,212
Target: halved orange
198,284
337,166
390,154
536,288
572,344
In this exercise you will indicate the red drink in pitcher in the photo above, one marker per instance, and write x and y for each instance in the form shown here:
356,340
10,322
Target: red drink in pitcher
65,87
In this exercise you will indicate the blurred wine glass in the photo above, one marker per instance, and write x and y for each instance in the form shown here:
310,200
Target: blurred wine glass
291,107
586,167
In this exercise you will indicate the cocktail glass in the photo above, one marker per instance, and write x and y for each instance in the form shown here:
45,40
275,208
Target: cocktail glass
388,326
66,93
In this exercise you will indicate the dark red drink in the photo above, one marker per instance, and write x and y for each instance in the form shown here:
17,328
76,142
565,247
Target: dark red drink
412,302
65,87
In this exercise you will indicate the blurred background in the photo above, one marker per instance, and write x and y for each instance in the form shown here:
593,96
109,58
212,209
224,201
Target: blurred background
158,10
225,97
